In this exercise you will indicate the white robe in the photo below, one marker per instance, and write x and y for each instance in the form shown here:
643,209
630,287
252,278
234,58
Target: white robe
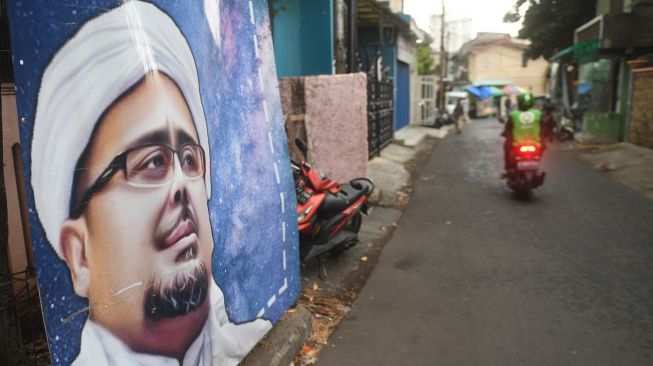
220,342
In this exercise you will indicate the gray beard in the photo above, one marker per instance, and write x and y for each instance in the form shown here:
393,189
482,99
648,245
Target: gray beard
176,294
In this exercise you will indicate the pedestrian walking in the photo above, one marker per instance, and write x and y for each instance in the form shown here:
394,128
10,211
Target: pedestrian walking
458,116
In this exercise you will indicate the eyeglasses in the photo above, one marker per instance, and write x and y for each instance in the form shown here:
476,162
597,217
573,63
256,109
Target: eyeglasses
146,166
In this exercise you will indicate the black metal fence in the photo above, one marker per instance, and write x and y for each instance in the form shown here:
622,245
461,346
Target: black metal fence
380,97
380,113
22,334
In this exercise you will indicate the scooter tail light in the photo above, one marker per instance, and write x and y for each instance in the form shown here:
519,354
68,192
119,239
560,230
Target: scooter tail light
527,149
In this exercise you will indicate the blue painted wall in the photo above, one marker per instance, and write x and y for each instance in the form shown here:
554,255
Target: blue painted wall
303,37
402,95
368,39
287,35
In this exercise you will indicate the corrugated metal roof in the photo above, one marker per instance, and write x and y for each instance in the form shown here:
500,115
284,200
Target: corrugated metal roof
370,13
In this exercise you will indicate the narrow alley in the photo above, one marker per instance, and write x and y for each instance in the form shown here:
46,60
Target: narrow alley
474,276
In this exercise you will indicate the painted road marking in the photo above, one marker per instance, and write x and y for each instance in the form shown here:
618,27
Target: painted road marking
276,173
272,300
284,287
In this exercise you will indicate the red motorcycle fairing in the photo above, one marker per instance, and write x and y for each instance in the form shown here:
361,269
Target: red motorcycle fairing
316,181
348,213
309,211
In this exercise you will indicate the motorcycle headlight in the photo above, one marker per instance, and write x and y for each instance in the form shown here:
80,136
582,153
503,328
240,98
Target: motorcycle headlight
303,215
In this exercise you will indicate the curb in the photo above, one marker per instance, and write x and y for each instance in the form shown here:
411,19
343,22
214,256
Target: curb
284,340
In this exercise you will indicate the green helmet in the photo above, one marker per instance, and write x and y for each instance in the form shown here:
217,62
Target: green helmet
525,100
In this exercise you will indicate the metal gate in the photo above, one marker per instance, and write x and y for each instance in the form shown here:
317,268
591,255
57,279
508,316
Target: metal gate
426,94
380,108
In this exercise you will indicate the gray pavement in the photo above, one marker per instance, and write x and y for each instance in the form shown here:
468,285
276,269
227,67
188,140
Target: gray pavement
473,276
630,164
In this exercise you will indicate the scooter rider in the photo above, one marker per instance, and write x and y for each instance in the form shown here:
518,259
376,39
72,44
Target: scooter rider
523,125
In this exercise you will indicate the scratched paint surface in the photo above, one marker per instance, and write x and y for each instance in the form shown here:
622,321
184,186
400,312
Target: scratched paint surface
251,212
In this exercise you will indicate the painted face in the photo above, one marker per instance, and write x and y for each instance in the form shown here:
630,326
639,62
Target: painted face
146,245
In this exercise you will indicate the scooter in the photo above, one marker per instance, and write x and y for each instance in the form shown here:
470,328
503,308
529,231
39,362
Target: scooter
328,213
525,175
564,130
442,118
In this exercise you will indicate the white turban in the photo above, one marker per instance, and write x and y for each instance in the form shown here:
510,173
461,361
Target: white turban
107,56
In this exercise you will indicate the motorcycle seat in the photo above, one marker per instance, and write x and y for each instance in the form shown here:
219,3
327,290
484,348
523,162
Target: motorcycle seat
349,193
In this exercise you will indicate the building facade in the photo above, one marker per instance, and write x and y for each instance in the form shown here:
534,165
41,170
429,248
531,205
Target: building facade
602,75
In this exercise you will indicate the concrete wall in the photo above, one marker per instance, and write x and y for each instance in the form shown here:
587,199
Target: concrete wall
336,124
17,252
601,127
640,130
335,120
504,62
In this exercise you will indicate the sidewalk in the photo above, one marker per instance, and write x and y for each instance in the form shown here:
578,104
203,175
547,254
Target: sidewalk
629,164
329,301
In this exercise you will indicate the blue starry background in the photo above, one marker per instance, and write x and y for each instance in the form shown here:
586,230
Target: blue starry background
245,207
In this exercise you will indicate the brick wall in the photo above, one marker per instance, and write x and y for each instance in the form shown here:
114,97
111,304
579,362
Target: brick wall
641,117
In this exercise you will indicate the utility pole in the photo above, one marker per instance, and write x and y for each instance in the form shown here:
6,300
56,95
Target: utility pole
443,71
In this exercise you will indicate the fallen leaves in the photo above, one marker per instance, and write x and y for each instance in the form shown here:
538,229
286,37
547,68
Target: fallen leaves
605,167
327,311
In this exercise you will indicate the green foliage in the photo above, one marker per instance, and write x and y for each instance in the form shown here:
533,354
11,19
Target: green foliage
425,61
550,24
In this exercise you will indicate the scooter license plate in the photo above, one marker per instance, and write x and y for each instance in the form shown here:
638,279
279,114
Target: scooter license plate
528,165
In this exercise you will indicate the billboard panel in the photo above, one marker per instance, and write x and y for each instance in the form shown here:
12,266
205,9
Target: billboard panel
159,190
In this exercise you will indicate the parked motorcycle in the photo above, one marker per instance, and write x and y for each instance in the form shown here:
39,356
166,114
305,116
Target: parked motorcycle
328,213
442,119
564,130
525,174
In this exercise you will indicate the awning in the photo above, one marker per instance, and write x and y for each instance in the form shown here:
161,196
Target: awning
513,89
485,91
510,89
496,92
498,82
580,52
482,92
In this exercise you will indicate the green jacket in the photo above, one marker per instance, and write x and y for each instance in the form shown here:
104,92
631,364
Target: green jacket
526,126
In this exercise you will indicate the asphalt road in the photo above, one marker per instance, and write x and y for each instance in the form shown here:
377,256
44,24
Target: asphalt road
474,276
